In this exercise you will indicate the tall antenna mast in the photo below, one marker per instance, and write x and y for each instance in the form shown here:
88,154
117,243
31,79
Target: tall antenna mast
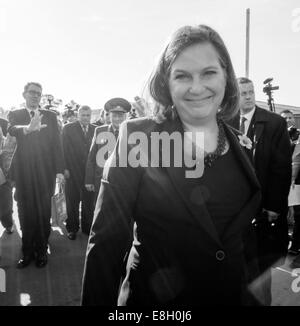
247,41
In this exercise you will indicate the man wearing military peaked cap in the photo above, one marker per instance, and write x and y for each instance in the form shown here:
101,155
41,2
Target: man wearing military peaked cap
117,104
117,108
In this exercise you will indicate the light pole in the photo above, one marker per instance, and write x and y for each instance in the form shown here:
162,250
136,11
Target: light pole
247,41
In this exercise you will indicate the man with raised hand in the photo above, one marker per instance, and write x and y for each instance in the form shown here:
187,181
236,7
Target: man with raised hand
37,162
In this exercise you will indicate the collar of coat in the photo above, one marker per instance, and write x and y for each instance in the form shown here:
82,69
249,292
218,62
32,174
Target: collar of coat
200,214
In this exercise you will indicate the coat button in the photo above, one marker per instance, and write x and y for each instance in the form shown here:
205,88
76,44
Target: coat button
220,255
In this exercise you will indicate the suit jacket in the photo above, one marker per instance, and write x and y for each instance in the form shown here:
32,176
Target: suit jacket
38,156
3,126
271,156
94,172
76,148
177,243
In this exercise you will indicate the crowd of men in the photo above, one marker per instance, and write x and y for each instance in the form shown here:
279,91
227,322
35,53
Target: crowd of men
38,151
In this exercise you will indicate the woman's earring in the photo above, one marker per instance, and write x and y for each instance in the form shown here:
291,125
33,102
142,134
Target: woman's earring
173,112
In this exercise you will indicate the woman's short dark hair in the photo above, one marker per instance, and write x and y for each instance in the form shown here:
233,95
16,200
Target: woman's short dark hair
181,39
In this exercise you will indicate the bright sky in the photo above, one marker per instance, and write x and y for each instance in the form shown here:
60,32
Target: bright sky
92,50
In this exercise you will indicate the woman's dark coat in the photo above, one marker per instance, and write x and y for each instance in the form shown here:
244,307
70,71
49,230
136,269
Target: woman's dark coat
177,256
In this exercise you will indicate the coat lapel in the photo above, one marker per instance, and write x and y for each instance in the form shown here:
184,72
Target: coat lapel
184,188
241,156
25,116
115,132
90,132
257,128
80,131
251,207
198,210
110,128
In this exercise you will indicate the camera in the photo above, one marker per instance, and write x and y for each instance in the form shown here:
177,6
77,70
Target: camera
269,88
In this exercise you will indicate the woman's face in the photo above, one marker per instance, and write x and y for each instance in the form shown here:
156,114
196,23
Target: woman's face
197,83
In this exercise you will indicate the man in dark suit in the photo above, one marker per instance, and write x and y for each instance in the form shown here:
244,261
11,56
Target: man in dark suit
271,157
117,108
37,162
294,133
77,137
3,126
6,201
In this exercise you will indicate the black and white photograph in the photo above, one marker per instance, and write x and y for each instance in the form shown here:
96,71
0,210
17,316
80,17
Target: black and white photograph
149,155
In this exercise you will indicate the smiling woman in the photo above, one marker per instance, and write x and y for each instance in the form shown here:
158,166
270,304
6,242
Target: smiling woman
187,247
197,83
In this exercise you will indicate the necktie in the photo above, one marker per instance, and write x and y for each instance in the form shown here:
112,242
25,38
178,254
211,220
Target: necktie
32,114
242,127
84,130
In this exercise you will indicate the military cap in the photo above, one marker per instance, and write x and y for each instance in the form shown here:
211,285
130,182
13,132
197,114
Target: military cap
117,105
